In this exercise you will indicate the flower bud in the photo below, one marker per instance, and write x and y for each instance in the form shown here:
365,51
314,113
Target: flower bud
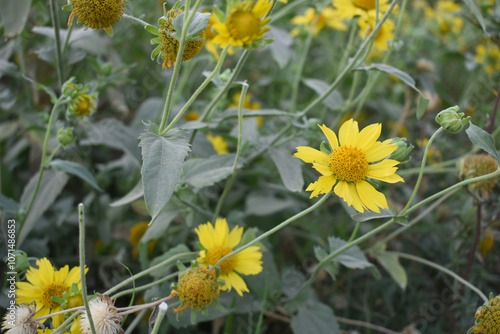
65,136
451,120
403,150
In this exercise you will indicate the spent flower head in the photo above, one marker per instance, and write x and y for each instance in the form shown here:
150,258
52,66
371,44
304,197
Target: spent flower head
97,14
488,317
104,315
79,98
352,159
19,320
478,165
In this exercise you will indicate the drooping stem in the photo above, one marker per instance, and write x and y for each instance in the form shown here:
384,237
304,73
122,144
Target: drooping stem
145,286
136,19
275,229
231,177
81,219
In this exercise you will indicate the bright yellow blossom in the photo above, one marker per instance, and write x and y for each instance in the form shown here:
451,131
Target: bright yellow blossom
327,17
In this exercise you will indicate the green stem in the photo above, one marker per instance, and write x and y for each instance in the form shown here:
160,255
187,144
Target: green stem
288,8
421,174
68,35
350,40
199,90
49,159
145,286
352,63
230,180
54,14
43,162
300,68
62,328
162,310
147,271
135,322
138,20
444,270
275,229
356,228
81,216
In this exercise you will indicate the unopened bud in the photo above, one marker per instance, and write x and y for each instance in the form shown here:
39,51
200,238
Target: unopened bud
65,136
403,150
451,120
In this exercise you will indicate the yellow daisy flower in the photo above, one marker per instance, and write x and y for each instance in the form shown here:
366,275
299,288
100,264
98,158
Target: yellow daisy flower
446,15
209,37
244,25
327,17
352,161
219,144
45,283
384,35
217,242
135,235
247,104
351,8
488,54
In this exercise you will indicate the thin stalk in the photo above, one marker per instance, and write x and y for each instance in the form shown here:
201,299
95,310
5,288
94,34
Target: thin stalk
43,162
49,159
133,309
54,15
350,40
162,310
62,328
444,270
81,216
199,90
355,232
475,242
275,229
135,322
289,8
353,63
68,35
230,180
494,112
147,271
138,20
300,68
421,174
144,287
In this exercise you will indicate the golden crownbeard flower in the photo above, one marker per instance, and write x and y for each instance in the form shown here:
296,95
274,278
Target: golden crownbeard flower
384,35
219,144
247,104
244,26
20,320
327,17
352,160
97,14
104,315
197,288
169,46
446,15
488,55
83,105
488,317
135,235
477,165
45,283
209,37
348,9
217,242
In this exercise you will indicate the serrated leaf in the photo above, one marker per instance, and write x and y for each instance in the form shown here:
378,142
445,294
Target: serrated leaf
334,100
165,270
315,319
75,169
205,172
422,106
131,196
390,262
330,267
8,204
477,13
162,159
351,258
483,140
403,76
289,168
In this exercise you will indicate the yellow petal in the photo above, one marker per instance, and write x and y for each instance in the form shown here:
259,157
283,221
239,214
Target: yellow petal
61,274
322,186
348,132
34,278
348,193
380,150
310,155
45,271
370,197
384,171
73,276
368,136
330,135
248,261
233,280
221,231
206,235
234,237
324,170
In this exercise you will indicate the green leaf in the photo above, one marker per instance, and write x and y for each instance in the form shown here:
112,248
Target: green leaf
369,215
351,258
264,204
8,204
477,13
289,168
67,8
13,16
390,262
77,170
403,76
330,267
165,270
159,225
152,29
333,101
161,168
422,106
203,172
51,185
482,139
315,319
281,48
131,196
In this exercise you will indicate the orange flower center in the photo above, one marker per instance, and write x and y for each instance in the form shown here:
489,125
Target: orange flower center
54,289
366,4
349,163
217,253
243,25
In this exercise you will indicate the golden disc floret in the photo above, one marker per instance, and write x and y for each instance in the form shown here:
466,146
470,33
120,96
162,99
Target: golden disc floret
97,14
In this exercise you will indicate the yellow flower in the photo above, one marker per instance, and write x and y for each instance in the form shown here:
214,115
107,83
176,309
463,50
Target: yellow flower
83,105
446,16
209,37
284,1
487,242
45,283
488,55
328,16
488,317
219,144
197,288
351,8
135,235
244,25
97,14
217,242
384,35
352,161
191,115
247,104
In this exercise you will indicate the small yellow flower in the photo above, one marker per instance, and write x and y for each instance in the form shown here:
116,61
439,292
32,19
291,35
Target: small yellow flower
197,289
488,317
191,115
327,17
97,14
247,104
384,35
135,235
446,16
217,242
488,55
45,283
209,37
83,105
244,25
219,144
354,158
348,9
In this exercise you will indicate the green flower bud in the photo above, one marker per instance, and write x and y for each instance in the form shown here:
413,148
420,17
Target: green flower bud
403,150
451,120
22,263
69,88
65,136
